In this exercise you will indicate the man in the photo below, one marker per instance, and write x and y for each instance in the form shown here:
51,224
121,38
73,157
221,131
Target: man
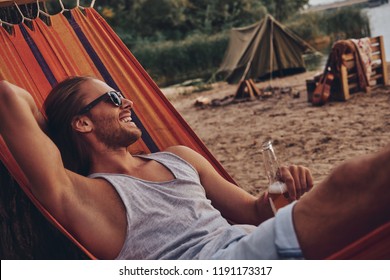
164,205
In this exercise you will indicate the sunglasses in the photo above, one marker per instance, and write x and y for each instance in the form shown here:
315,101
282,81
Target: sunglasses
114,96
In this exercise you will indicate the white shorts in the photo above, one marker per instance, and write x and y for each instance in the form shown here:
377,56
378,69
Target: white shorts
272,240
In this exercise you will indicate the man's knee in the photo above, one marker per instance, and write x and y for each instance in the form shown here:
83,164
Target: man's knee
360,174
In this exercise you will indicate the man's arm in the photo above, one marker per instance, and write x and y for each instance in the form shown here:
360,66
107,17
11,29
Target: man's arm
236,204
87,208
21,128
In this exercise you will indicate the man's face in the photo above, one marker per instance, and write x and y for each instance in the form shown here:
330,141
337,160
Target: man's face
112,125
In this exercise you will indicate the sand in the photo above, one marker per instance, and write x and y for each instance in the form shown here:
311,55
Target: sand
316,137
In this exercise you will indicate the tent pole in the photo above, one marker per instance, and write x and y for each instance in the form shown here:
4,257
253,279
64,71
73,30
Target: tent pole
272,53
246,70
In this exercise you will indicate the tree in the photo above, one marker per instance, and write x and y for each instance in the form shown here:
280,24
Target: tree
283,9
176,19
161,16
214,16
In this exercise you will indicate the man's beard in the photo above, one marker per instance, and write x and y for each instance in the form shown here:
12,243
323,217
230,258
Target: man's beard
114,136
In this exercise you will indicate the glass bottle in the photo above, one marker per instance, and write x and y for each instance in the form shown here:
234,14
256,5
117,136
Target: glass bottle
276,189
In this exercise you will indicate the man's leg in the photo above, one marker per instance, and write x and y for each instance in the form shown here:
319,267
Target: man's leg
351,202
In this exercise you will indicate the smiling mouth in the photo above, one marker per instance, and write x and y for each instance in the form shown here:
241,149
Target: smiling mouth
126,120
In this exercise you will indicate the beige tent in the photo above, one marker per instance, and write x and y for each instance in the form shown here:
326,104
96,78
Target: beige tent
262,49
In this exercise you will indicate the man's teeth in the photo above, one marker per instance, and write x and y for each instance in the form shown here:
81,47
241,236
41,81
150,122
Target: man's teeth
126,120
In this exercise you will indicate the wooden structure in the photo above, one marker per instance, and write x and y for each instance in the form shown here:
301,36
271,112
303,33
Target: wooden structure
247,90
349,78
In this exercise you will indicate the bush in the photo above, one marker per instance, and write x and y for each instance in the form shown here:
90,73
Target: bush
343,23
347,23
171,62
306,26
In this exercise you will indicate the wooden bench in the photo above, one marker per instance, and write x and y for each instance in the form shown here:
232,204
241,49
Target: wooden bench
348,77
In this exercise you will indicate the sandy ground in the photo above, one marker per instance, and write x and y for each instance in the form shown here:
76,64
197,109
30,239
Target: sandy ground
316,137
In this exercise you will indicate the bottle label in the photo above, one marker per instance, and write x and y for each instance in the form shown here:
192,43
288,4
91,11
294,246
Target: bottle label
277,188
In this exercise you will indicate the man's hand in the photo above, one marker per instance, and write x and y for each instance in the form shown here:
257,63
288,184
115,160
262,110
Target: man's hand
298,180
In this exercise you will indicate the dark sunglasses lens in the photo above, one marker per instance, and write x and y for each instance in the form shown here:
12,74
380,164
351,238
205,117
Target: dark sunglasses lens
115,98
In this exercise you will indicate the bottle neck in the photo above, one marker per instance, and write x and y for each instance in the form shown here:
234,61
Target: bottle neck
271,167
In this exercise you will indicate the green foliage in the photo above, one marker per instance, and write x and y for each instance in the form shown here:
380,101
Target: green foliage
283,9
214,16
176,19
351,22
171,62
346,23
307,26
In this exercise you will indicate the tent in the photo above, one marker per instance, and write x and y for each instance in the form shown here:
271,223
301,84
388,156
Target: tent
262,49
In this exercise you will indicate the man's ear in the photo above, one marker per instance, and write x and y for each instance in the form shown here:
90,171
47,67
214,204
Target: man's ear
82,124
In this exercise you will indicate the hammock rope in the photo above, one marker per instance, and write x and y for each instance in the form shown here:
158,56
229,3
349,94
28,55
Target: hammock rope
40,11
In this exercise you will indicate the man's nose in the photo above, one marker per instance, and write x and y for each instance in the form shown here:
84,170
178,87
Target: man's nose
127,103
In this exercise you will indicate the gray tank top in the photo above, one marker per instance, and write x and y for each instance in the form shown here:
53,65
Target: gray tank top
173,219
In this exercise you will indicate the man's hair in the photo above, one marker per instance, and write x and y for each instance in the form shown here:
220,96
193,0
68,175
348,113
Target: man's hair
62,104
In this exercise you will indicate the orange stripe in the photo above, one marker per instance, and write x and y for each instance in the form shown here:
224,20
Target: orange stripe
19,66
68,47
33,68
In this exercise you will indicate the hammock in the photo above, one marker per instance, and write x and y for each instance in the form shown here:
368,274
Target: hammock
80,42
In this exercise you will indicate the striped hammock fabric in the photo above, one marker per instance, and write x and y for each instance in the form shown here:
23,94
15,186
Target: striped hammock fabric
82,43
